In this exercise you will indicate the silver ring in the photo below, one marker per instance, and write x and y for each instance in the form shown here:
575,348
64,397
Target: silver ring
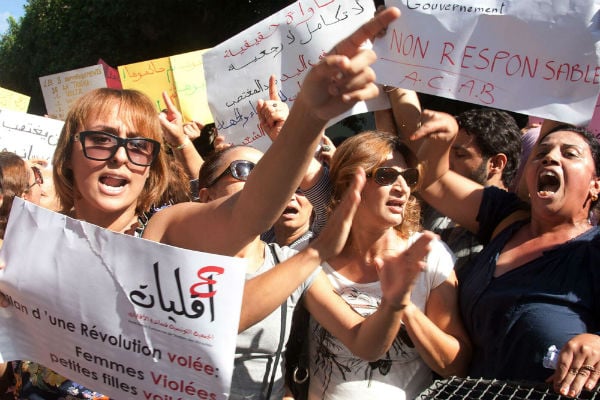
296,378
325,148
587,368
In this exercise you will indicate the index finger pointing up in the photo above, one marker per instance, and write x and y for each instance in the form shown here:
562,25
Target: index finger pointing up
369,30
273,93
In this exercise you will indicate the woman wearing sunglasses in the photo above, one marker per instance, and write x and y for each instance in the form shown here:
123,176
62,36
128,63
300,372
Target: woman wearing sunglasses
386,223
258,366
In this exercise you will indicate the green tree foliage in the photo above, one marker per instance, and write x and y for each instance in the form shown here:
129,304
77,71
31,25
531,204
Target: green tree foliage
60,35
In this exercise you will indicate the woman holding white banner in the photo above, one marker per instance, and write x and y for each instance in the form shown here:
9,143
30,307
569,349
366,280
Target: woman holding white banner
108,169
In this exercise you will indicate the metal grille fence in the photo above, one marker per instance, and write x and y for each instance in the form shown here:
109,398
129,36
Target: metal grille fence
485,389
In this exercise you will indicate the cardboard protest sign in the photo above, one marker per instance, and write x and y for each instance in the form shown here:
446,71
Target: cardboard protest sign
111,74
538,58
29,136
181,76
188,71
10,100
286,44
123,316
61,90
152,77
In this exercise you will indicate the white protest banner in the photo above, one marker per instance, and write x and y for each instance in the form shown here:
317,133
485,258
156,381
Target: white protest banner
61,90
29,136
534,57
286,44
123,316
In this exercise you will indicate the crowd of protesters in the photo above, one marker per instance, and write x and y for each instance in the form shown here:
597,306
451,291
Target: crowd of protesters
345,233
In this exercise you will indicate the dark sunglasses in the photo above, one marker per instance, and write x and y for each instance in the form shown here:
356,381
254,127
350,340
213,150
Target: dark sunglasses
385,176
38,177
102,146
239,169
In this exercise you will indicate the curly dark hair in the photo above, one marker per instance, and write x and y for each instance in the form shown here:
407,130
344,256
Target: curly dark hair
494,131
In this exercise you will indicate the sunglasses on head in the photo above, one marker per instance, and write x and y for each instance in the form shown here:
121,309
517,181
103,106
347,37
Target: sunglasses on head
239,169
385,176
102,146
37,176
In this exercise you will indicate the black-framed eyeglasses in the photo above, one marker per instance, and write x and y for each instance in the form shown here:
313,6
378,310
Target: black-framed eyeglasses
385,176
102,146
37,176
239,169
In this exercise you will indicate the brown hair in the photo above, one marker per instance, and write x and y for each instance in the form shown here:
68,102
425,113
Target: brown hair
14,181
141,113
369,150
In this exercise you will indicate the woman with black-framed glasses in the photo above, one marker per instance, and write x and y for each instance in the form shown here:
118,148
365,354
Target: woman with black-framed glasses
107,170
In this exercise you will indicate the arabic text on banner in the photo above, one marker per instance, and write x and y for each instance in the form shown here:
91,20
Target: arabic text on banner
123,316
286,44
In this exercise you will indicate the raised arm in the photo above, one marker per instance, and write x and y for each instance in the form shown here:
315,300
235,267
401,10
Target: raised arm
331,87
438,334
183,149
448,192
272,115
265,292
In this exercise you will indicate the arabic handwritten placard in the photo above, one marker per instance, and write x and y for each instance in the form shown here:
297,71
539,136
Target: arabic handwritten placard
152,77
539,59
29,136
13,100
120,315
61,90
188,70
286,44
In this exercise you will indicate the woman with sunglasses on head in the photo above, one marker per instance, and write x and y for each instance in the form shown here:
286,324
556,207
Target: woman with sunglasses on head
386,224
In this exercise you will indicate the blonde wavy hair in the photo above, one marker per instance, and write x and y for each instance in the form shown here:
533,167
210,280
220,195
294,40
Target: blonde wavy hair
369,150
139,111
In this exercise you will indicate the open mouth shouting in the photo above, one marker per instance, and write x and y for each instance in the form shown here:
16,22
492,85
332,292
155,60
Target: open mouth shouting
290,212
548,183
113,184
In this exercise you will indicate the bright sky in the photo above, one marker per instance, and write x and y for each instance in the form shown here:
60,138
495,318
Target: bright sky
12,8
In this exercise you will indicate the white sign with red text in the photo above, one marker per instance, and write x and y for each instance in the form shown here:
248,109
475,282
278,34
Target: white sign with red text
286,44
537,57
123,316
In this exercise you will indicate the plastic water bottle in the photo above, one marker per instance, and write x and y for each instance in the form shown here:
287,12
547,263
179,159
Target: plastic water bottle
551,358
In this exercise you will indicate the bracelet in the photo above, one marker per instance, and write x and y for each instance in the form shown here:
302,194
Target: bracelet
182,145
